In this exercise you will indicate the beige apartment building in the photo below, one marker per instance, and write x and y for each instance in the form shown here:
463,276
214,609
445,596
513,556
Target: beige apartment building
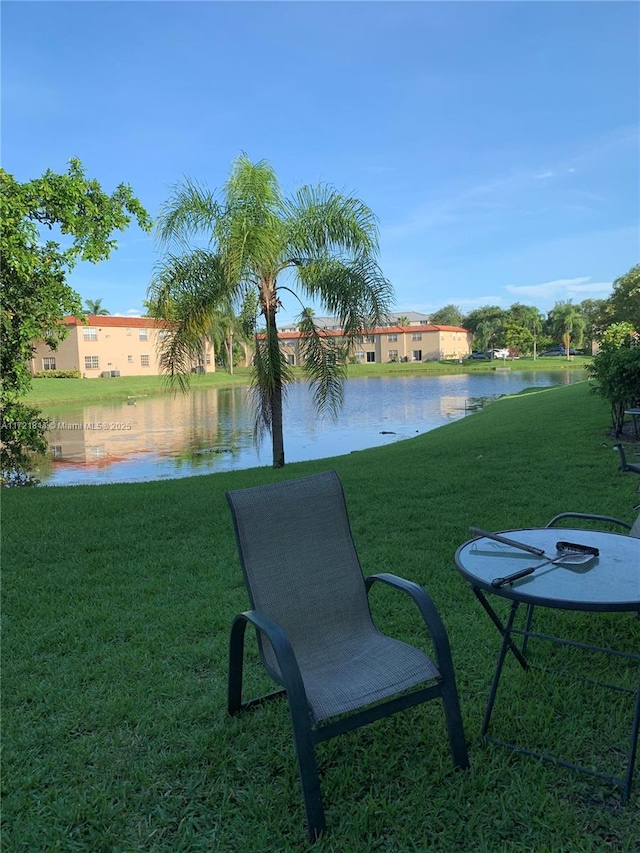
111,346
128,346
385,344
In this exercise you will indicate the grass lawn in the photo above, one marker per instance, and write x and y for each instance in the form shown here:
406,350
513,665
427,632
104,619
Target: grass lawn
50,392
117,605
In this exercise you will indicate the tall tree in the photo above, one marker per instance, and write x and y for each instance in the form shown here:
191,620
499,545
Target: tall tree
316,244
94,307
35,296
598,314
488,325
230,331
531,322
625,299
450,315
567,324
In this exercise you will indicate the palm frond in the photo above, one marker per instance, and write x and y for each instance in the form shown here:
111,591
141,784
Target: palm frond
322,222
251,229
185,291
191,209
324,362
354,291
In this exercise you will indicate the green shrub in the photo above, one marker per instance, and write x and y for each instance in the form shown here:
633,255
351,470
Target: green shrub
616,370
57,374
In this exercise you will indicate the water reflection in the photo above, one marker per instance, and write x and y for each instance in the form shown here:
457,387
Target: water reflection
212,429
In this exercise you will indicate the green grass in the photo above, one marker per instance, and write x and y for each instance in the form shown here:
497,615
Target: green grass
46,392
117,605
49,392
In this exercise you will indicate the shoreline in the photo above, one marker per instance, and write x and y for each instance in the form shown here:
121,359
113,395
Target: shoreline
46,393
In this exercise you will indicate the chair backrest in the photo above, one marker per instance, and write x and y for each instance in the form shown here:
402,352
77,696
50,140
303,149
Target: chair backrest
299,558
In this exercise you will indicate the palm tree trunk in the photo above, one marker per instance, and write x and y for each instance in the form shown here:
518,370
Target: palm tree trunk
277,438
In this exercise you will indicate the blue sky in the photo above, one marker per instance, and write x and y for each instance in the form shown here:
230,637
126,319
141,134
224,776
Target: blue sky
496,142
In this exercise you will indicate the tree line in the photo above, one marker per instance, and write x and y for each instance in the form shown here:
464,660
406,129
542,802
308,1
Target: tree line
525,330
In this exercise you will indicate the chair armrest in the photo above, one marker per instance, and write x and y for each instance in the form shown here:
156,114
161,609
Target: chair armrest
289,669
428,612
590,517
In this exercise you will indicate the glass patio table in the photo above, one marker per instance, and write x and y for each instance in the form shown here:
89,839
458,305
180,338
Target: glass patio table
608,582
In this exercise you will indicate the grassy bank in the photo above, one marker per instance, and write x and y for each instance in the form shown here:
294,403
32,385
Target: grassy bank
117,604
50,392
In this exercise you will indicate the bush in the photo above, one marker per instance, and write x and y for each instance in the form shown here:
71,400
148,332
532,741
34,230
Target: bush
616,370
57,374
21,435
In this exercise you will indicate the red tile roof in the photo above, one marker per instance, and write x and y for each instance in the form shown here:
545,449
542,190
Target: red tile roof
108,321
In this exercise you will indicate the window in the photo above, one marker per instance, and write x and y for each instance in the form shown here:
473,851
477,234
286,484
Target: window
56,451
359,353
371,357
417,355
392,338
369,339
162,334
393,353
89,333
130,359
91,362
128,331
416,336
207,358
48,364
144,361
143,335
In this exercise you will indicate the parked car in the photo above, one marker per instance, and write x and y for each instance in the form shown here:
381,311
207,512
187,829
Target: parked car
561,351
478,355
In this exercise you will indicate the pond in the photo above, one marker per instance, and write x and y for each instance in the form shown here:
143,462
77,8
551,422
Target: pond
211,430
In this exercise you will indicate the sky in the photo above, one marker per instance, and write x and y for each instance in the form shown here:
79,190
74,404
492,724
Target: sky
496,142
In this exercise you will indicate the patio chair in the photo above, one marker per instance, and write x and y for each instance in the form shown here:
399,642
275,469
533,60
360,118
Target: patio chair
633,530
624,465
315,633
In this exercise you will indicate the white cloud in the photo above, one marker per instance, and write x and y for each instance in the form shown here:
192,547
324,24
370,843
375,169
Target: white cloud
543,175
563,288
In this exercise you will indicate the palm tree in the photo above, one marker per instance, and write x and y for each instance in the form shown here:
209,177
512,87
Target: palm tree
229,328
94,307
568,323
316,244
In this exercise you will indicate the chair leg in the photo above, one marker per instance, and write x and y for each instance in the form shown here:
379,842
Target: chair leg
308,768
236,663
453,719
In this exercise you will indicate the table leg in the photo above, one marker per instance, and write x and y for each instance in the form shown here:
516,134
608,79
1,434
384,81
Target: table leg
506,645
519,655
626,787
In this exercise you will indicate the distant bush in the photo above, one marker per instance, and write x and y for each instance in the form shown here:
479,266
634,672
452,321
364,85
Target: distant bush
57,374
616,370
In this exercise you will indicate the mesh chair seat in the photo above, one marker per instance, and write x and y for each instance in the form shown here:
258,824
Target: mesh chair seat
346,674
